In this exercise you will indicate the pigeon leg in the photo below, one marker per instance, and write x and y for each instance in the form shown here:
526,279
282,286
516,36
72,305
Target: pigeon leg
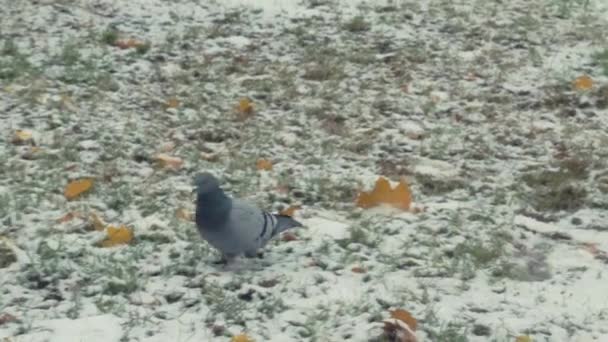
225,259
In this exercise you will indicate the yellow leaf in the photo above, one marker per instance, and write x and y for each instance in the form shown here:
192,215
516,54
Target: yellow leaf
21,136
241,338
245,106
263,164
117,236
96,222
172,103
184,214
289,211
168,161
583,83
400,197
76,187
523,338
405,317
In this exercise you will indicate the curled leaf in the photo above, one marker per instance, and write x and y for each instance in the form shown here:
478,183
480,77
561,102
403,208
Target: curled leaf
77,187
405,317
117,236
397,331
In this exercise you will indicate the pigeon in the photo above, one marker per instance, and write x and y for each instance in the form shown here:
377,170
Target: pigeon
234,226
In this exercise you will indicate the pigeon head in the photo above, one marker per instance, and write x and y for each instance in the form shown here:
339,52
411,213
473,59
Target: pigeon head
212,204
206,183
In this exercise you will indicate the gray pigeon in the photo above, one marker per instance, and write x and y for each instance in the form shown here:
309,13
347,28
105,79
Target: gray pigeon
234,226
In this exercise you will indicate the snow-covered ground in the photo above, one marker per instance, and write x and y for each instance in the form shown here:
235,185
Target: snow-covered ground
475,103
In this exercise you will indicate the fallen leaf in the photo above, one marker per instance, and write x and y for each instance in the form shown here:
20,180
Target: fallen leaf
167,161
7,318
400,197
184,214
68,104
67,217
263,164
172,103
267,283
245,106
21,136
210,157
96,222
117,236
405,317
290,211
523,338
583,83
129,43
241,338
289,236
397,331
167,147
77,187
358,269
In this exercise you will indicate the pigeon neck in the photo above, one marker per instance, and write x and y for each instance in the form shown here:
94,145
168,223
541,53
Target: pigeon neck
213,208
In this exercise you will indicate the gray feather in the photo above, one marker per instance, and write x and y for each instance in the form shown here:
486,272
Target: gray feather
234,226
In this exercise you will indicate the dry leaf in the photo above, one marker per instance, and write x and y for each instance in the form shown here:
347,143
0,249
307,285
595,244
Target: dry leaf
583,83
289,236
167,146
245,106
268,283
244,109
7,318
405,317
263,164
96,222
77,187
67,217
358,269
167,161
117,236
172,103
241,338
397,331
400,197
129,43
523,338
290,211
21,136
184,214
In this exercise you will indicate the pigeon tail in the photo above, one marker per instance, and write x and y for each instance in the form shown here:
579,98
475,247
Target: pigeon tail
284,222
